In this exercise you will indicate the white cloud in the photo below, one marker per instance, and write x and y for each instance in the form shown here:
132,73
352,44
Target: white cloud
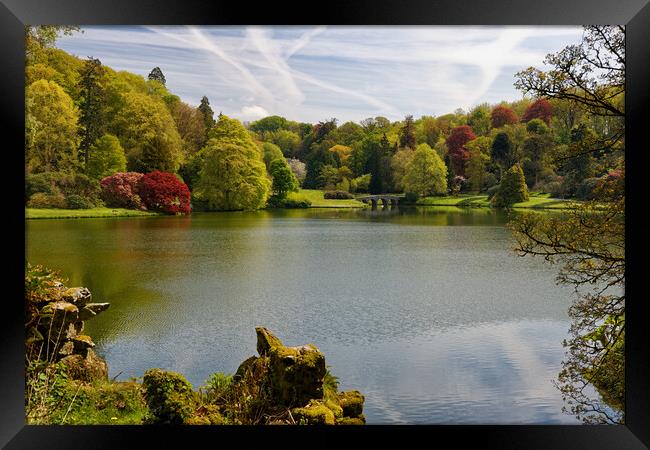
313,73
252,113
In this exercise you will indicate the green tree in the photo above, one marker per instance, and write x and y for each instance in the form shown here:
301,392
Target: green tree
475,167
284,181
426,174
407,133
40,37
91,106
232,177
399,164
537,151
271,152
52,129
328,177
502,151
479,118
148,134
157,75
287,140
208,115
269,124
106,158
190,125
512,188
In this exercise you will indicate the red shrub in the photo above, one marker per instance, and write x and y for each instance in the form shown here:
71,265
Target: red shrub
540,109
162,191
120,190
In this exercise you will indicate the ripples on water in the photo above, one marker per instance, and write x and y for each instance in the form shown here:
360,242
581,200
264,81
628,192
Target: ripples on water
428,312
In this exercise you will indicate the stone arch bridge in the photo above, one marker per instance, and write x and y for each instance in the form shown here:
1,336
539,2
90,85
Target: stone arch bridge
385,199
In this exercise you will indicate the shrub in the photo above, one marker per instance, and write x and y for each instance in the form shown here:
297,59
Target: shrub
43,200
294,202
121,190
169,397
75,201
585,190
163,191
410,198
81,185
512,189
557,189
44,182
360,184
338,195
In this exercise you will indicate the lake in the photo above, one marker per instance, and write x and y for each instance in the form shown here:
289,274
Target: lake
428,312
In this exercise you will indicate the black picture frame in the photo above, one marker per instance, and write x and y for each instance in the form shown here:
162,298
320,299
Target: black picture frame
635,14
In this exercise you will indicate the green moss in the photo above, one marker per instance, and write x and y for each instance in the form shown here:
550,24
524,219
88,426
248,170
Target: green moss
351,402
266,341
315,413
206,415
169,396
335,408
352,421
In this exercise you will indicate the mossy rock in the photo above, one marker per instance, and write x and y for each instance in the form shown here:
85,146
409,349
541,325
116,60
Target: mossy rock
352,421
315,413
335,408
266,341
351,402
206,415
254,368
169,396
88,367
296,374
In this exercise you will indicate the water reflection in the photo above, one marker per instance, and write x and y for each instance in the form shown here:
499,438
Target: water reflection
425,310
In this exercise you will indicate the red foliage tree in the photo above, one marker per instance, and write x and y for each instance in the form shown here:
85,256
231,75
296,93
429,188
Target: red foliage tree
540,109
121,190
456,147
162,191
502,115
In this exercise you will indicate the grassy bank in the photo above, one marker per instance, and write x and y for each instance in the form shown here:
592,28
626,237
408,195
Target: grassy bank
33,213
319,201
536,201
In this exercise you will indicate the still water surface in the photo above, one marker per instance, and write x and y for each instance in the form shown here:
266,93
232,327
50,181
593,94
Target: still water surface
428,312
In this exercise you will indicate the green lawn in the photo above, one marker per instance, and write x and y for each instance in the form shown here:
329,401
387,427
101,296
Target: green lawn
318,201
32,213
536,201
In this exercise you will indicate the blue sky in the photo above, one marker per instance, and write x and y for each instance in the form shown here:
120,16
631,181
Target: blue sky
318,72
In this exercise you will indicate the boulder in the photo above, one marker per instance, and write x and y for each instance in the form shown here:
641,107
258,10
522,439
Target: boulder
86,367
352,403
253,368
314,413
90,310
79,296
82,343
55,319
352,421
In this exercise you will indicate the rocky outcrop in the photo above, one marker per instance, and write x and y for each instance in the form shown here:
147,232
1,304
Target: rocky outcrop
59,329
295,377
